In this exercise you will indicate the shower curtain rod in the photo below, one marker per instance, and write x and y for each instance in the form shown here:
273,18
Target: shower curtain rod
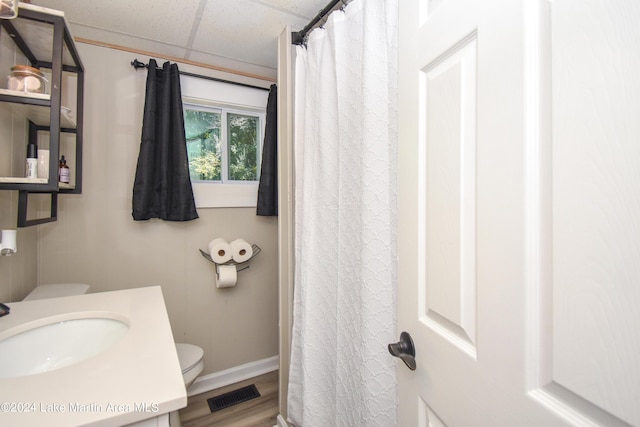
298,37
138,64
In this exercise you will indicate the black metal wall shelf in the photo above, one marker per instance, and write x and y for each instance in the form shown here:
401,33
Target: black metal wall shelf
43,38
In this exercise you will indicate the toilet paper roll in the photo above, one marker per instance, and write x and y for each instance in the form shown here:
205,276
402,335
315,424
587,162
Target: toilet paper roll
220,250
226,276
241,250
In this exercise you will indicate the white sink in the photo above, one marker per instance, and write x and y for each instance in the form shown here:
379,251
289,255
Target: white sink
37,348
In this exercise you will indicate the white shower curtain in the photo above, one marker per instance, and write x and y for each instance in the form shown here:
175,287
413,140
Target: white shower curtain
345,221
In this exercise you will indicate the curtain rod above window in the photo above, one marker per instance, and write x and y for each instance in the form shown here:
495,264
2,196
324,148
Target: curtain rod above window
138,64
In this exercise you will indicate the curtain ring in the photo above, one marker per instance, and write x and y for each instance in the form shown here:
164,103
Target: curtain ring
323,21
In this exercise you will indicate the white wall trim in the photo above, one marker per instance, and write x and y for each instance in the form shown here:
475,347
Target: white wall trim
233,375
219,195
285,211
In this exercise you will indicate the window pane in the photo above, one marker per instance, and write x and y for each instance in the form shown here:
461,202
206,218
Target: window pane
202,129
243,147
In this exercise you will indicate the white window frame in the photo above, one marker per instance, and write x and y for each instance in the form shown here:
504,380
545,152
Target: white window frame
224,112
234,99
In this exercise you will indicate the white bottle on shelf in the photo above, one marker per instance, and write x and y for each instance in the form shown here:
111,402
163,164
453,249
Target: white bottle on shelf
32,161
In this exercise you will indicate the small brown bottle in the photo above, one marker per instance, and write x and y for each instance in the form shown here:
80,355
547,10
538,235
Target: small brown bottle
64,171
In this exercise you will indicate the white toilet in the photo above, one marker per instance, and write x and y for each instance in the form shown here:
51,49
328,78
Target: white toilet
190,358
191,363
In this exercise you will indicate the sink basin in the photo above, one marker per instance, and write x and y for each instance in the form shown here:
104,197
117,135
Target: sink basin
56,344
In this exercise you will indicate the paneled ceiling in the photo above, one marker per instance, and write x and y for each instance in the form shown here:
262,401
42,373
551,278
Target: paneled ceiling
237,34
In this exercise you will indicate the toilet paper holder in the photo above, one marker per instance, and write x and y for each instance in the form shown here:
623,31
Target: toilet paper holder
256,250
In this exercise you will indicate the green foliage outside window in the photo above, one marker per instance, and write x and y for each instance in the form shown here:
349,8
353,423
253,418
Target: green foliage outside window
243,133
203,130
205,167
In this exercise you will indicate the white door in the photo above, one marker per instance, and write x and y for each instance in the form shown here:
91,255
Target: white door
520,212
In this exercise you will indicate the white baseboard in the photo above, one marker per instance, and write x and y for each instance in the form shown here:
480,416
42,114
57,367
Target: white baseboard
233,375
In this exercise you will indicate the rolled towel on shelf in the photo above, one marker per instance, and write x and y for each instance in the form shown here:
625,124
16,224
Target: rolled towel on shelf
220,251
241,250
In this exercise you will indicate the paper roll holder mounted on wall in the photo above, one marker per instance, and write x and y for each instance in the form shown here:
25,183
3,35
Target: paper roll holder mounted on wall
256,250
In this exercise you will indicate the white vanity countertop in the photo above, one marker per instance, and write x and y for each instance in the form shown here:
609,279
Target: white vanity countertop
136,379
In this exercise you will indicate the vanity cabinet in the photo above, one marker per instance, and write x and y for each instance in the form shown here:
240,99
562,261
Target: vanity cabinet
40,38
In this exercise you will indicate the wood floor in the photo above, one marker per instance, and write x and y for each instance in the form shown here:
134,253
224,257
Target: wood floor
258,412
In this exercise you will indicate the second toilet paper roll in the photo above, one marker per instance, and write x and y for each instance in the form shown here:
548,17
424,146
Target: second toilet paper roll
220,250
226,276
241,250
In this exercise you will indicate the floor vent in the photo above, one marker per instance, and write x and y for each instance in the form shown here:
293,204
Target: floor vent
233,398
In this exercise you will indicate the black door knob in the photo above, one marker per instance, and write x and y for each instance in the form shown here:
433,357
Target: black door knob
405,350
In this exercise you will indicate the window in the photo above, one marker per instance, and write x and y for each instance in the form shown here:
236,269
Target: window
223,145
243,142
203,131
224,127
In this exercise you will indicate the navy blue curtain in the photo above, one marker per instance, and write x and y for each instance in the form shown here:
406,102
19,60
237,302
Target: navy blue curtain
162,187
268,187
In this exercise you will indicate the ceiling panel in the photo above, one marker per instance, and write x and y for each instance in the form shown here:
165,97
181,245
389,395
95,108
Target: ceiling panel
302,8
161,20
215,31
232,32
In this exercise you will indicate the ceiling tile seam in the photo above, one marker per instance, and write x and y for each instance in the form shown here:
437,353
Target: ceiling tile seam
195,27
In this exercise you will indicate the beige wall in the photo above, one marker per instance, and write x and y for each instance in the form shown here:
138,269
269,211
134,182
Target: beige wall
95,240
18,272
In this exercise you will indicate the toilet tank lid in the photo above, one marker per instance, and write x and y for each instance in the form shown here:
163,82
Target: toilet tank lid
189,355
55,290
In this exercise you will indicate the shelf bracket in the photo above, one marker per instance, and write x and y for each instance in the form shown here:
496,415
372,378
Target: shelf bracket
23,197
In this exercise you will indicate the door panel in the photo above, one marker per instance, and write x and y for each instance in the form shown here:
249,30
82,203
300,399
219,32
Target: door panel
591,268
447,95
519,202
